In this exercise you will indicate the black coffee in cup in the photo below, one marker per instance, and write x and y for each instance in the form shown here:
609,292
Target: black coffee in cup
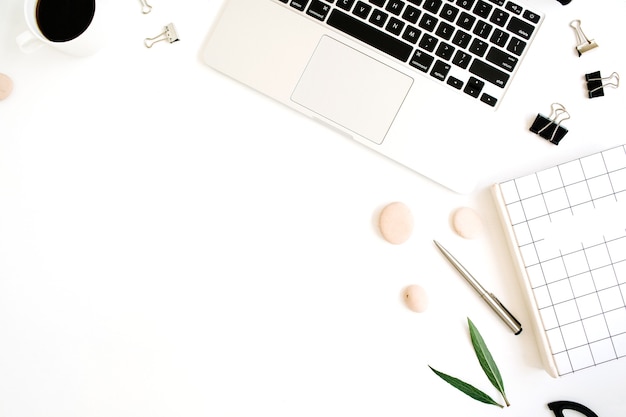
64,20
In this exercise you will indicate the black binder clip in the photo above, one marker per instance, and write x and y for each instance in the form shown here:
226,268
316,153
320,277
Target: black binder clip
558,407
550,127
584,44
596,84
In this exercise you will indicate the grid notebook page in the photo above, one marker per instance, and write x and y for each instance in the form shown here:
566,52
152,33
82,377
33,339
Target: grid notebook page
567,229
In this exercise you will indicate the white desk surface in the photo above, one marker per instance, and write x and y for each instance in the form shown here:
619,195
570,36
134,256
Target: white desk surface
175,244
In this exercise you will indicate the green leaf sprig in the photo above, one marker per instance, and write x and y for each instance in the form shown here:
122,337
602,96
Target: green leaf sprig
486,360
487,364
468,389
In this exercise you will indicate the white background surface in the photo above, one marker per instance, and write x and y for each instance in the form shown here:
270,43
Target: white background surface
172,243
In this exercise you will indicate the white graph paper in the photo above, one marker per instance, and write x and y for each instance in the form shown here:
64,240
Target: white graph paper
568,226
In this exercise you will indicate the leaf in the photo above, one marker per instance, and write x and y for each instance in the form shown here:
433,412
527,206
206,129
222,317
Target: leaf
466,388
486,360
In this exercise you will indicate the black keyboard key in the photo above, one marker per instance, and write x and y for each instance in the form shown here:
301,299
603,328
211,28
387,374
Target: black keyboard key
428,22
445,30
318,10
428,42
519,27
449,13
514,8
516,46
455,82
473,87
461,59
445,51
487,99
395,6
440,70
482,9
489,73
299,4
499,38
371,36
478,47
378,18
345,4
531,16
362,10
498,2
466,21
421,60
433,5
461,39
482,29
395,26
466,4
411,14
379,3
501,59
499,17
411,34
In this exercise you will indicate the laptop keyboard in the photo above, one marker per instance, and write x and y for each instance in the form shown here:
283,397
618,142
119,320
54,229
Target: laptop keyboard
473,46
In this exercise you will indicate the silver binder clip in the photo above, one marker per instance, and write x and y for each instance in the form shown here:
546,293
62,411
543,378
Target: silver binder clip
596,84
584,44
145,7
169,34
550,127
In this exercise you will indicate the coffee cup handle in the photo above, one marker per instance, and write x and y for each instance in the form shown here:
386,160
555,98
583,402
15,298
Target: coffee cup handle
28,42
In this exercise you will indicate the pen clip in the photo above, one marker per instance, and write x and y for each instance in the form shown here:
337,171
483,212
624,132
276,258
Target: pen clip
512,318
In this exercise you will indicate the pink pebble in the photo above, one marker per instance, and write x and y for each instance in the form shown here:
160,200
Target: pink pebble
416,298
6,86
467,223
396,223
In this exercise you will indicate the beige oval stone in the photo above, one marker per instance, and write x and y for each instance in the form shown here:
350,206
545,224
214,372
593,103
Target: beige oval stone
467,223
396,223
6,86
416,298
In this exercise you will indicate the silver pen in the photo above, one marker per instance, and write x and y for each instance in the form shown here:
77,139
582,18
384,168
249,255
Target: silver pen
489,298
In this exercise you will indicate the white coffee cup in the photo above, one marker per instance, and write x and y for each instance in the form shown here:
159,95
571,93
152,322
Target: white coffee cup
75,27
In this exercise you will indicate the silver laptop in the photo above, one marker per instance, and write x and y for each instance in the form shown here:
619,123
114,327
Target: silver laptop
418,81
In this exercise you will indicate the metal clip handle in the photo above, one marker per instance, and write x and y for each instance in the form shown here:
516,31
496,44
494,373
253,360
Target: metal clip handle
612,81
145,7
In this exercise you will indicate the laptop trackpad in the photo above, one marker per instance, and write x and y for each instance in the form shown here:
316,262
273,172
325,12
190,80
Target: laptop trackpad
351,89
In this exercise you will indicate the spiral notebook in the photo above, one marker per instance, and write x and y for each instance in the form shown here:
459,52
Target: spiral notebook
566,226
